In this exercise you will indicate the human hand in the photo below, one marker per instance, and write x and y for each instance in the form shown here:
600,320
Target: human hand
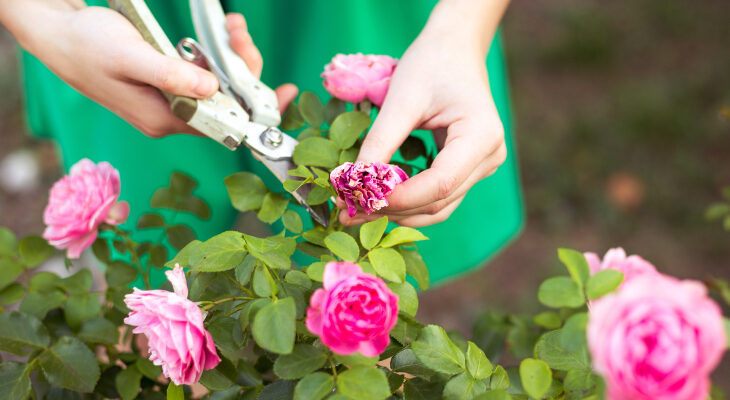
440,84
101,54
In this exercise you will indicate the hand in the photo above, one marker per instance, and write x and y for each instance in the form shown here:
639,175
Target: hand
441,86
100,53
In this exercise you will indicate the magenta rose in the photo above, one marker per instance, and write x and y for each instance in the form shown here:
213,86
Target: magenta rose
631,266
79,203
354,312
174,329
656,338
367,184
356,77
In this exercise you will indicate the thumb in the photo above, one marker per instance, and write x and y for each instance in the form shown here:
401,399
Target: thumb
173,75
395,121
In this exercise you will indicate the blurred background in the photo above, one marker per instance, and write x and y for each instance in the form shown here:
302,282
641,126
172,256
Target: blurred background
622,115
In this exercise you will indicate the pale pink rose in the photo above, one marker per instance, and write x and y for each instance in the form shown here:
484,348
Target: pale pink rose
658,338
80,202
367,184
354,312
631,266
174,329
355,77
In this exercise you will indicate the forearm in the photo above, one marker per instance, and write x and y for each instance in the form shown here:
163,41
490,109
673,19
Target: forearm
29,21
474,21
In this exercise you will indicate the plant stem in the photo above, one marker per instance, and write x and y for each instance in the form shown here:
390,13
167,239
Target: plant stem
332,365
212,304
241,287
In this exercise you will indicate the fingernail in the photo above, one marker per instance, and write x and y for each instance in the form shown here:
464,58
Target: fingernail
205,85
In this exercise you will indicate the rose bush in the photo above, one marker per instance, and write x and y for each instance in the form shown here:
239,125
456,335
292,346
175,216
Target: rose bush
337,323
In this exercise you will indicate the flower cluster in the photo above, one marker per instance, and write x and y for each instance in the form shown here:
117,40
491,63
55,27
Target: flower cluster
367,184
356,77
79,203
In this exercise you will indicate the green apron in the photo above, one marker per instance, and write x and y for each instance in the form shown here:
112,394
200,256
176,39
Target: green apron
296,39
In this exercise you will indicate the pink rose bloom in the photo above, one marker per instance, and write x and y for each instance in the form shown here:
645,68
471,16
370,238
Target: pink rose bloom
354,312
79,203
174,329
366,183
355,77
631,266
656,338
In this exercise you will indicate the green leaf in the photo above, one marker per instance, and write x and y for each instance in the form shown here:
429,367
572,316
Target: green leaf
579,384
314,386
576,264
101,250
9,271
71,365
402,234
421,389
550,349
315,271
8,242
14,381
573,334
356,359
272,207
164,197
38,304
182,184
316,151
717,211
78,283
726,322
343,246
497,394
311,109
334,108
127,382
278,390
438,352
12,293
363,383
500,379
477,362
158,256
463,387
246,190
274,326
416,268
220,253
34,250
315,236
560,291
293,119
412,148
99,330
43,281
221,377
389,264
603,282
291,185
303,360
318,195
347,127
371,232
349,155
298,278
406,361
119,273
536,377
150,220
195,205
263,282
179,236
175,392
292,221
244,270
148,369
80,308
548,320
301,171
187,256
407,297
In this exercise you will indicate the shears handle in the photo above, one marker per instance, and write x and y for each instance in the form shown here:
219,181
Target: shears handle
219,117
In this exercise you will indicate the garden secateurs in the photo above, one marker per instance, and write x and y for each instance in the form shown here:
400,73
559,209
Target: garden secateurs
244,112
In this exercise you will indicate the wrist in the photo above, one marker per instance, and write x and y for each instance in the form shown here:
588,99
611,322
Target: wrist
21,19
472,23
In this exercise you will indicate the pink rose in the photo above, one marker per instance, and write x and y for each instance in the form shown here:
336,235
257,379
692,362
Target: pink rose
366,183
355,77
656,338
631,266
354,312
79,203
174,329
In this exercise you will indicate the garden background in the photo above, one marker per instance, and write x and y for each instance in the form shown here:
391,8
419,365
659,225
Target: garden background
622,116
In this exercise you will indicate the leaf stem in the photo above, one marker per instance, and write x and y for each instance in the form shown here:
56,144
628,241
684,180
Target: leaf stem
212,304
241,287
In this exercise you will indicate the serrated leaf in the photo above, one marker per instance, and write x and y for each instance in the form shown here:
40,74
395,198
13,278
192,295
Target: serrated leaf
303,360
99,330
560,291
347,127
21,334
406,361
421,389
372,232
14,381
274,326
316,151
186,257
34,250
550,349
343,246
70,364
576,264
603,282
536,377
389,264
246,190
314,386
363,383
438,352
500,379
477,363
579,384
402,234
220,253
463,387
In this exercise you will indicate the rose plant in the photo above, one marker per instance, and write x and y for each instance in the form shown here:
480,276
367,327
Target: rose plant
314,312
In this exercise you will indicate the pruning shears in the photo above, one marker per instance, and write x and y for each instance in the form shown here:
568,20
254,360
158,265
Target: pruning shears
244,112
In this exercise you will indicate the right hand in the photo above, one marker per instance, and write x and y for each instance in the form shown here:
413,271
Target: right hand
101,54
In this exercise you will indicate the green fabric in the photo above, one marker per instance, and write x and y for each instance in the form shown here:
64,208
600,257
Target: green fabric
296,40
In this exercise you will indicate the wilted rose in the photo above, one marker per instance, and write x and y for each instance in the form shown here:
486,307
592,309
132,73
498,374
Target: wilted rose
367,184
656,338
79,203
354,312
173,325
355,77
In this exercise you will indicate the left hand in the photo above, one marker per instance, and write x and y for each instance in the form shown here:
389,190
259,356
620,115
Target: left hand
442,86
